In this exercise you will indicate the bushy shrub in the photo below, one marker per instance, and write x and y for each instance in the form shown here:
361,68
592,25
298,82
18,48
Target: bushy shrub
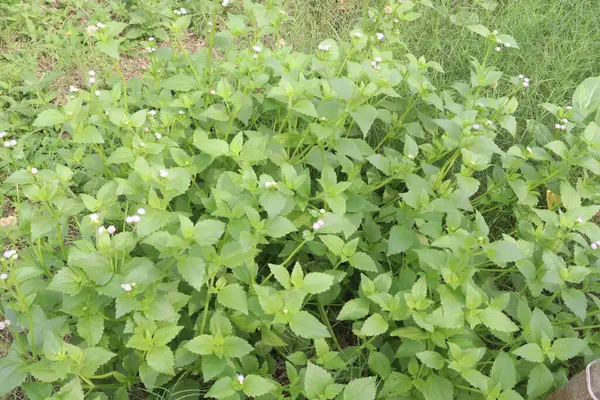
253,221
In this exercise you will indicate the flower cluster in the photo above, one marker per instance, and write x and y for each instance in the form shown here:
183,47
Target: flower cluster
324,47
380,36
181,11
10,254
562,126
3,276
524,80
270,184
375,63
595,245
137,217
128,287
318,225
8,143
4,324
111,230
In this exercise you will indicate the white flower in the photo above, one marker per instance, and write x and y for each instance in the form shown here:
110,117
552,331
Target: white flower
101,230
9,253
323,118
240,379
141,211
73,89
225,3
270,184
495,32
569,107
2,134
254,55
318,225
33,170
525,84
396,20
6,144
95,218
213,92
146,129
135,218
92,80
373,64
324,47
529,149
157,135
357,34
91,72
256,48
97,93
499,41
111,230
378,59
126,287
411,156
563,128
285,310
507,44
526,79
183,11
100,25
476,126
152,112
521,76
557,126
322,211
315,226
129,219
12,142
565,121
3,277
580,220
181,112
380,36
7,322
498,48
151,39
177,12
594,246
2,326
597,242
163,173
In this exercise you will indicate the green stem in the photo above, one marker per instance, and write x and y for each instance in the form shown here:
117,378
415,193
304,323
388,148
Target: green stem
292,254
581,328
327,323
206,302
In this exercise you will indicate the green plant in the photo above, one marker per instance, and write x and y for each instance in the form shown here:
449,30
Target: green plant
253,221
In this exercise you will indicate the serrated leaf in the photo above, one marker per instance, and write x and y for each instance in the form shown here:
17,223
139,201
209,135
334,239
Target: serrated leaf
181,83
49,118
363,262
531,352
255,386
317,282
431,359
316,381
374,325
364,116
495,319
91,328
380,364
401,239
208,232
576,302
234,296
192,269
480,30
503,371
438,388
307,326
540,381
354,309
279,227
567,348
92,359
361,388
235,347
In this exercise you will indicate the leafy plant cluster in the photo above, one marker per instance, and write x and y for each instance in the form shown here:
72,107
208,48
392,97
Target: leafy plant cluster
250,221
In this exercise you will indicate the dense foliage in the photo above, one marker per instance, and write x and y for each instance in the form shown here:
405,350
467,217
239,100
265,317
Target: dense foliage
253,221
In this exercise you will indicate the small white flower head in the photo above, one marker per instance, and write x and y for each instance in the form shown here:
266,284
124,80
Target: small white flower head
33,170
163,173
323,118
71,97
149,49
563,128
380,36
180,112
357,34
2,326
322,211
129,219
91,72
12,142
580,220
557,126
2,134
254,55
92,80
135,218
315,226
525,84
476,127
146,129
7,322
565,121
157,135
151,39
8,254
495,32
529,149
411,156
152,112
111,230
177,12
6,144
597,242
498,48
213,92
126,287
141,211
521,76
569,107
240,379
321,223
127,123
183,11
209,23
100,25
285,310
97,93
3,276
324,47
373,64
525,79
256,48
498,41
73,89
507,44
378,59
101,230
396,20
594,246
133,284
95,218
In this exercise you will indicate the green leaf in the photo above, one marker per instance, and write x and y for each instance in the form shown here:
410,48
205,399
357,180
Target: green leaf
374,325
93,358
202,345
363,262
165,334
396,384
364,116
212,366
438,388
333,243
214,147
180,83
431,359
480,30
576,302
495,319
161,359
91,328
255,386
109,47
222,388
316,381
273,202
362,388
401,239
208,232
12,373
234,296
503,371
354,309
70,391
90,134
37,390
531,352
66,281
235,347
317,282
586,97
279,227
503,251
380,364
569,196
42,225
192,269
49,118
216,112
540,381
305,107
509,123
307,326
567,348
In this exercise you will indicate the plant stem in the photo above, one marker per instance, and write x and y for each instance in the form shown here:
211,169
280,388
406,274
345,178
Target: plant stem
292,254
327,323
206,302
